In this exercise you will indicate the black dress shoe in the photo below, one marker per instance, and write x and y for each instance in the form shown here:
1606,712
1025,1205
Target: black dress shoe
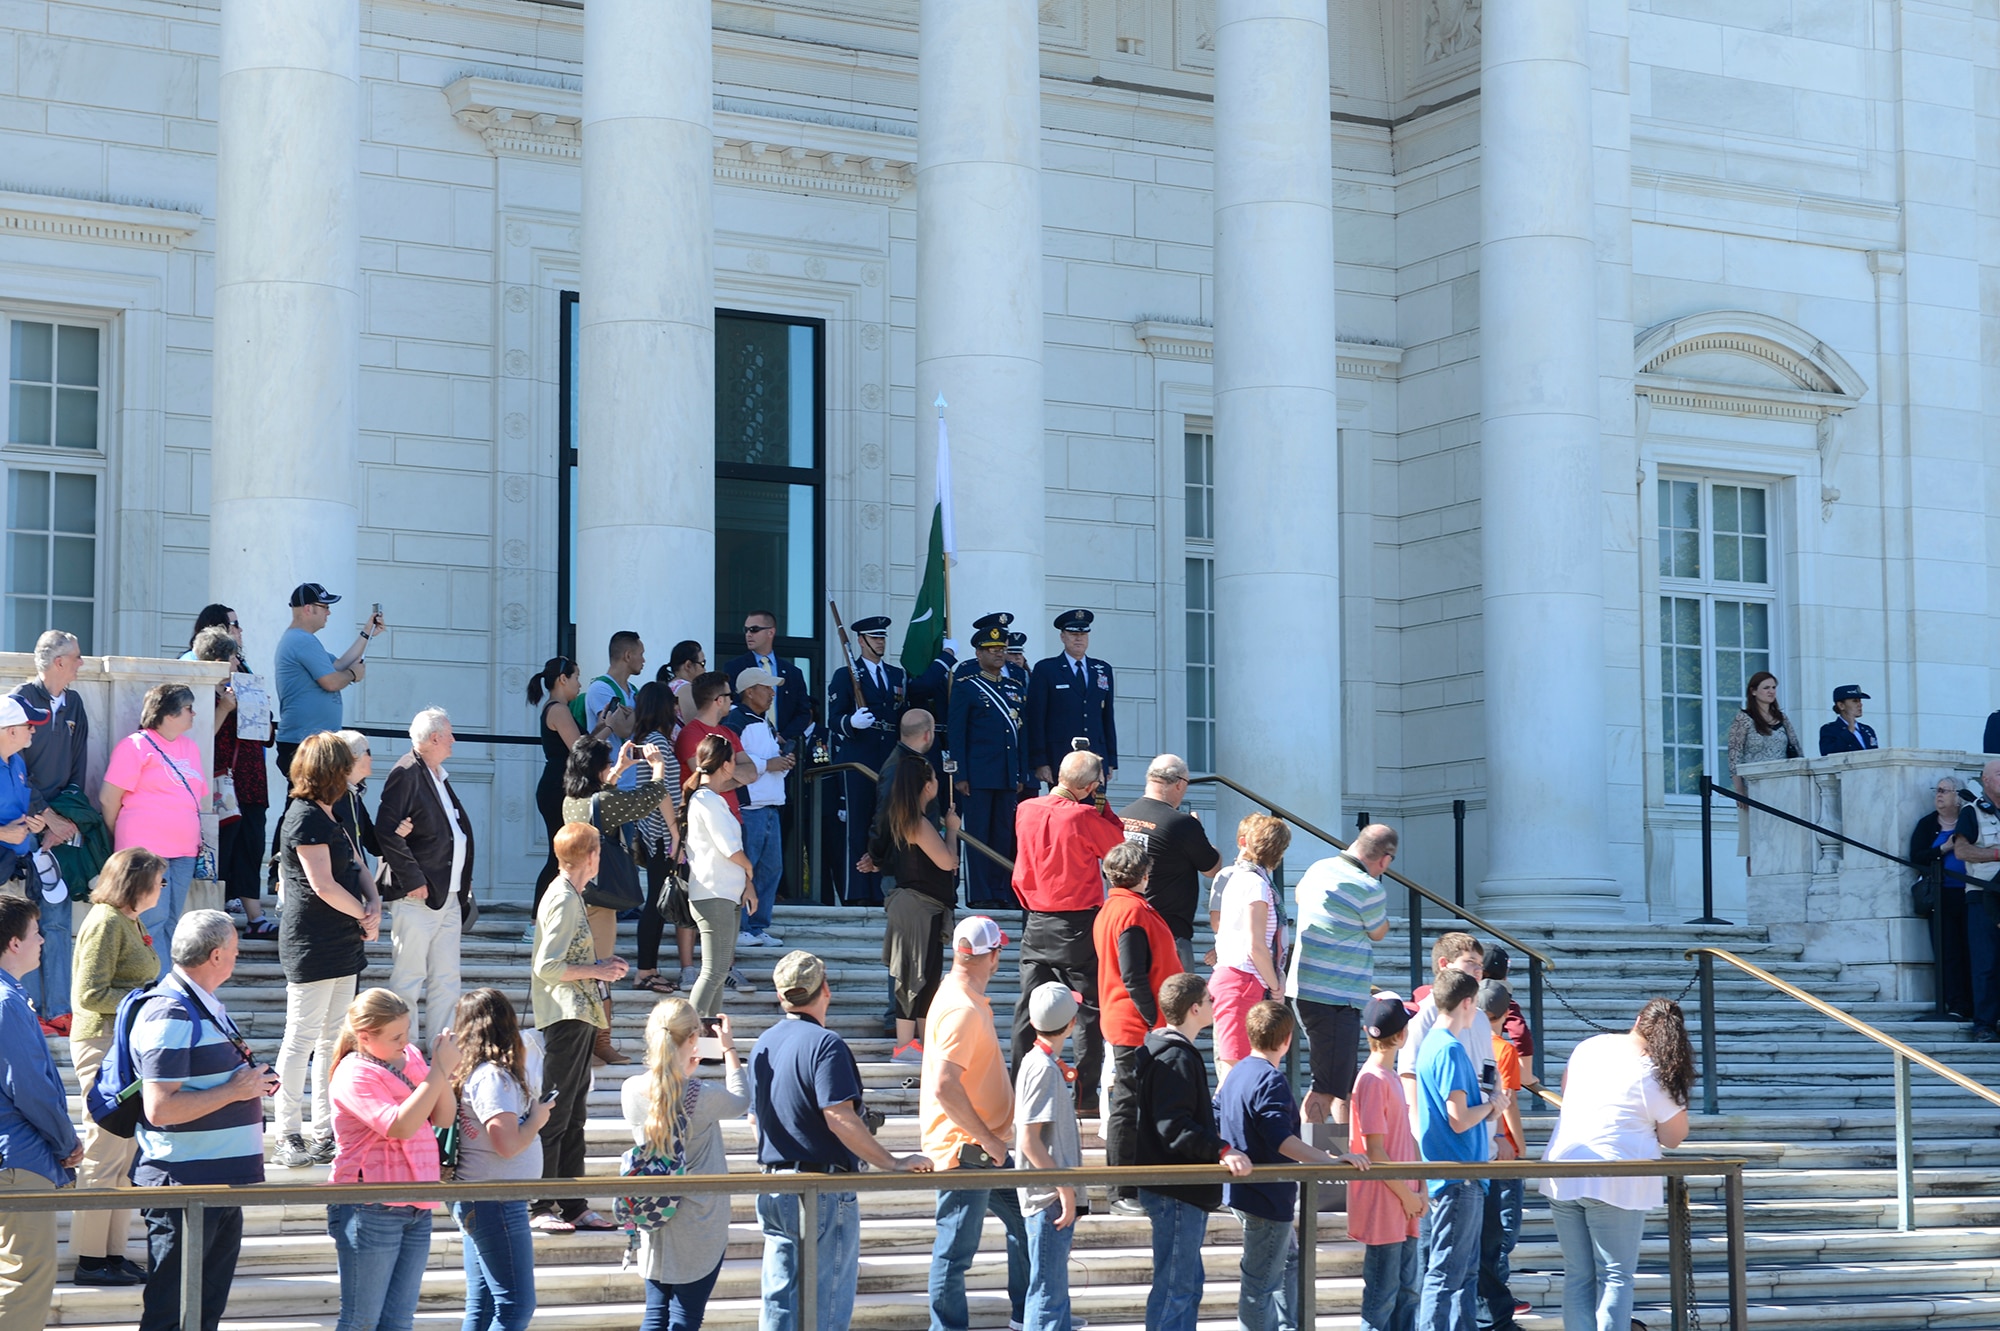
1984,1035
104,1277
133,1269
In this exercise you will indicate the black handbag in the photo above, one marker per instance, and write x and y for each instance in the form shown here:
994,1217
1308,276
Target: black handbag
616,886
674,905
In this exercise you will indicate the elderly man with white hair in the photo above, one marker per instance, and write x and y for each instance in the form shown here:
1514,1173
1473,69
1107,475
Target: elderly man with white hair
56,759
1982,905
428,872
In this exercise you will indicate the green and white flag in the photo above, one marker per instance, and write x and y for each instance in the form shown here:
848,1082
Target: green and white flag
924,640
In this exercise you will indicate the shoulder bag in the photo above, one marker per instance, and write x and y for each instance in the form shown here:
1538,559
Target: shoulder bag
653,1212
204,860
616,886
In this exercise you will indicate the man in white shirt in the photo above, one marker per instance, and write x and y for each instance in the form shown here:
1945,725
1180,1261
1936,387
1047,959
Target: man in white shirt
760,800
429,871
1459,952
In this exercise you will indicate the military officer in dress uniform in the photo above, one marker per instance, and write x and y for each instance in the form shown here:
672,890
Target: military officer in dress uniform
865,732
986,713
1845,733
1070,697
930,689
1017,658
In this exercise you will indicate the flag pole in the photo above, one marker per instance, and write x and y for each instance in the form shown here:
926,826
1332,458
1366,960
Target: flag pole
944,495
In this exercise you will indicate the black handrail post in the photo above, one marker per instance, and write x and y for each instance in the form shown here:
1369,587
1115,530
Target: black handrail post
1535,1010
1680,1280
1709,1091
1416,942
1935,872
1362,819
1458,851
1708,789
1308,1318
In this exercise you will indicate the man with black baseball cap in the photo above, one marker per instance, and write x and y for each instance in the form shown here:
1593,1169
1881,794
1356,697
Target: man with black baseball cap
1845,733
310,678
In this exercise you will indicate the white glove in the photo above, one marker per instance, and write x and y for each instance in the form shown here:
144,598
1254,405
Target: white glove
951,646
862,719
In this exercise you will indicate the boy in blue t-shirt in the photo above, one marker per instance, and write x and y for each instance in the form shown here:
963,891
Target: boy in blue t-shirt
1451,1126
1258,1115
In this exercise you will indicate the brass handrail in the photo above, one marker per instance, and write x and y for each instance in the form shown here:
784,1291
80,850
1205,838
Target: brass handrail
1853,1023
1444,903
820,771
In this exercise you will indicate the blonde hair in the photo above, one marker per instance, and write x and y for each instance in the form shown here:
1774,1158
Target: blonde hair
126,877
371,1010
1264,839
672,1023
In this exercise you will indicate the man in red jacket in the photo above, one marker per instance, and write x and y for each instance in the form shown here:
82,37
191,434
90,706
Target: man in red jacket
1136,954
1060,842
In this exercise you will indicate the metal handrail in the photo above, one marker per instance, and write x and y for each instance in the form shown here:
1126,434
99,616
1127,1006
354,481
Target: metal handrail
820,771
1904,1055
195,1201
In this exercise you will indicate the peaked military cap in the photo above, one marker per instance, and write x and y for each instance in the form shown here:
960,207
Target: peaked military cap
874,625
1075,621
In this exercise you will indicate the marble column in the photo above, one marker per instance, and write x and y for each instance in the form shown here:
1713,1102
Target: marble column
1277,489
1542,503
979,296
646,378
282,455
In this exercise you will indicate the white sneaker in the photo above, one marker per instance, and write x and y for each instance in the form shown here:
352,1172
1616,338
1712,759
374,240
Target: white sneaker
689,974
744,940
771,939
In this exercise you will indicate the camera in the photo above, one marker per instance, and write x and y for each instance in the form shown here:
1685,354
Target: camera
873,1119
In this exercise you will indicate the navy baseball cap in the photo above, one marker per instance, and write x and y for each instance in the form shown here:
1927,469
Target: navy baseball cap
311,593
1384,1015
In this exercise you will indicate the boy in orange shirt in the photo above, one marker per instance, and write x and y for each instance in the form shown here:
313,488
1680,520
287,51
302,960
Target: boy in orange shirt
1502,1226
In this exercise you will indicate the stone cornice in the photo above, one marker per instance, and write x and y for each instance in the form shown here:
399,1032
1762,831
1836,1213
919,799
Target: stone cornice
53,215
534,120
1191,341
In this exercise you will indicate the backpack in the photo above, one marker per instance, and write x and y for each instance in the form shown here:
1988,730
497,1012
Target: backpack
652,1213
576,704
113,1101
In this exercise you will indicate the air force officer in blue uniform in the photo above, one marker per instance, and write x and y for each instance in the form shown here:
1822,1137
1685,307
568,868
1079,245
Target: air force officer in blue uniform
986,715
1071,697
865,733
1845,733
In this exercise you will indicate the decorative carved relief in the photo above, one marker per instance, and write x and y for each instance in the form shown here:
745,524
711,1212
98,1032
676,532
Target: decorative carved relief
89,219
1194,34
1450,26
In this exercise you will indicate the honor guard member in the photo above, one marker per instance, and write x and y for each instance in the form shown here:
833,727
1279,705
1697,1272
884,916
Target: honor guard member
986,713
930,689
1070,697
1845,733
865,732
1017,658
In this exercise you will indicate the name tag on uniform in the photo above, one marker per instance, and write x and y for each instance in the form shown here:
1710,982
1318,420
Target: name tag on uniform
1062,686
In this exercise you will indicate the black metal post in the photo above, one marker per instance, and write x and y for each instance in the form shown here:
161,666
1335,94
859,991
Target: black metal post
1708,789
815,840
1416,942
1739,1258
1709,1090
1362,819
1934,873
1535,1010
1458,851
1308,1317
1680,1280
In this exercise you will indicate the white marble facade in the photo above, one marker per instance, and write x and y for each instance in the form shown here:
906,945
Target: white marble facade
1782,275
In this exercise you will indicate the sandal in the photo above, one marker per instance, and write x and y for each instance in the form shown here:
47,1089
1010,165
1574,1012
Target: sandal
261,927
655,983
551,1224
593,1221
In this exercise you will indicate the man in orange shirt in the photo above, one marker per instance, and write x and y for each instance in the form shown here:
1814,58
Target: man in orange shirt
1501,1227
1060,842
966,1107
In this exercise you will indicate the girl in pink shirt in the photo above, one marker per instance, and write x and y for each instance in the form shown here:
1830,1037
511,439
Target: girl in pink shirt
154,792
386,1101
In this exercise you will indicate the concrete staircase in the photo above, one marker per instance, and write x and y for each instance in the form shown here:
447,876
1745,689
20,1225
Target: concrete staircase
1807,1104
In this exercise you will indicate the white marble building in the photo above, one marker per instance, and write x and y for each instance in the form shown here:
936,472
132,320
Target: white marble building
1433,403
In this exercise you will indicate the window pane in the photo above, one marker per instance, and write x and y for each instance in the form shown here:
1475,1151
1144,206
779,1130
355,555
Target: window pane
76,356
1680,529
28,500
1728,559
1681,694
76,503
1750,511
801,357
27,563
1754,569
26,618
72,617
754,388
74,567
76,418
1725,509
33,354
28,414
1199,450
1756,622
1197,584
758,557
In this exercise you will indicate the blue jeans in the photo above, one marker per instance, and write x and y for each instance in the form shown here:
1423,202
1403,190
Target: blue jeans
1497,1235
161,919
765,847
1457,1214
678,1307
1600,1248
1047,1307
1391,1286
381,1252
58,947
1178,1229
839,1246
961,1214
1267,1295
1982,948
499,1265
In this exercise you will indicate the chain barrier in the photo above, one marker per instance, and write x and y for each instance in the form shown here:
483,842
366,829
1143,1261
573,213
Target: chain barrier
1680,998
1692,1309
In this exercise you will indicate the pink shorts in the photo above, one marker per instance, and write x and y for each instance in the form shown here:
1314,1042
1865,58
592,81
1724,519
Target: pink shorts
1234,993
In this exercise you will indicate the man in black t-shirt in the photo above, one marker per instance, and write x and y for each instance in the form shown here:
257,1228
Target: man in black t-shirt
1179,846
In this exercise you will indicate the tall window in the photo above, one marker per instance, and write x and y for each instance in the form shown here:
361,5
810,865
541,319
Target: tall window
1199,471
1718,612
55,425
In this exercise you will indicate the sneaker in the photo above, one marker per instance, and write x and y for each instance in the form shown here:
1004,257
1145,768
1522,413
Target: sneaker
744,940
103,1274
1522,1307
771,939
913,1052
50,1028
528,934
1127,1206
292,1152
135,1272
689,974
736,982
323,1149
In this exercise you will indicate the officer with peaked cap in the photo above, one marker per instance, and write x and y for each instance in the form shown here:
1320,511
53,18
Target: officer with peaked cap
1071,697
986,715
1017,658
865,733
1846,733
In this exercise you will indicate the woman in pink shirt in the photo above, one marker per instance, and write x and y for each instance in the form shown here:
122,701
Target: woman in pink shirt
386,1100
154,792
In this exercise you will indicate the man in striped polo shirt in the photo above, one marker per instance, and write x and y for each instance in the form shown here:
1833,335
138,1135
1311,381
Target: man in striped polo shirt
204,1121
1343,913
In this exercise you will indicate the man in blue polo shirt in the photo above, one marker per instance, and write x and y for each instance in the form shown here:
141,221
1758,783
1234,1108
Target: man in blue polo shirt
38,1145
806,1088
204,1123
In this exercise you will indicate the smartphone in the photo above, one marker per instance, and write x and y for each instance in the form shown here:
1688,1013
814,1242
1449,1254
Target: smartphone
550,1097
378,611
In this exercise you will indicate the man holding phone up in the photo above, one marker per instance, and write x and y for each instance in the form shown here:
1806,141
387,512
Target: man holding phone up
310,678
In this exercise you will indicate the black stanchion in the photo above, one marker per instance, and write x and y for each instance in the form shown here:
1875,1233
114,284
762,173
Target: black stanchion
1535,1009
1708,915
1458,851
1709,1091
1416,942
1934,875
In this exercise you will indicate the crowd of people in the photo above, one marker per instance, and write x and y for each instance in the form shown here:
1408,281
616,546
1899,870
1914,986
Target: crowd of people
665,798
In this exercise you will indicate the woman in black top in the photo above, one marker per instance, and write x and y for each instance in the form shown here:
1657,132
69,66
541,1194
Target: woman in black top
1951,817
561,680
332,911
925,866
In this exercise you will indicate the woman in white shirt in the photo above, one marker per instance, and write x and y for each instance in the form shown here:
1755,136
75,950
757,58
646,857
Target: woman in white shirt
1624,1098
1249,936
721,885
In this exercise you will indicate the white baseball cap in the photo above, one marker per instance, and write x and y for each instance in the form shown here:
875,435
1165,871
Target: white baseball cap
977,935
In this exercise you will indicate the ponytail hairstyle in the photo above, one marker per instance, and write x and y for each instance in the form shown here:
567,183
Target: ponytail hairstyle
488,1031
710,756
371,1010
906,798
543,684
1664,1030
671,1026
